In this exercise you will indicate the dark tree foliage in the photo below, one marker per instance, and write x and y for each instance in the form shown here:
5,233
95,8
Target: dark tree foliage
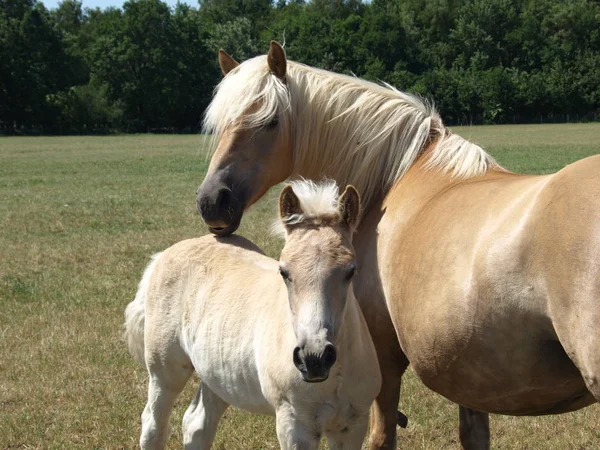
149,67
33,65
138,58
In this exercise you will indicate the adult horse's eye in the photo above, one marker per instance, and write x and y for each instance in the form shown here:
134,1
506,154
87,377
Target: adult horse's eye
350,272
284,274
273,123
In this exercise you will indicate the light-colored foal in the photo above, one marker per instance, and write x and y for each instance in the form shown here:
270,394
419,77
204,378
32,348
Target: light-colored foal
283,338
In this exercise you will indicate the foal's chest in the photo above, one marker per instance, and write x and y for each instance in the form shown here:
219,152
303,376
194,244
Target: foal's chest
336,416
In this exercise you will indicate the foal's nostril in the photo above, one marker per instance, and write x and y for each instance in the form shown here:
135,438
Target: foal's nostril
297,360
329,356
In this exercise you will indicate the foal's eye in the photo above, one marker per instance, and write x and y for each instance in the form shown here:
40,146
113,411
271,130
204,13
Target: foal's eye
350,272
284,274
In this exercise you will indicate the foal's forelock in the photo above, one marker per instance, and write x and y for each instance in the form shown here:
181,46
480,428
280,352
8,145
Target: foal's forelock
318,202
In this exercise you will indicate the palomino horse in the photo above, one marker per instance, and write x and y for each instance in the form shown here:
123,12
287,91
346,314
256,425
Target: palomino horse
219,306
487,281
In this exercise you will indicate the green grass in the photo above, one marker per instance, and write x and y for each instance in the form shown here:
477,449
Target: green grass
79,218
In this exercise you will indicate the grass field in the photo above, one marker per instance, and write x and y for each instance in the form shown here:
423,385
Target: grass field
79,217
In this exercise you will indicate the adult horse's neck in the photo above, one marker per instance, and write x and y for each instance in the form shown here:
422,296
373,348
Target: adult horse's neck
368,135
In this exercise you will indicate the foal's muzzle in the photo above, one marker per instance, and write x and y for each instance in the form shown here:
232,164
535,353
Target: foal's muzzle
315,367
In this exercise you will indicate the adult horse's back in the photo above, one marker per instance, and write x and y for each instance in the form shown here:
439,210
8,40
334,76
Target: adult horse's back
487,281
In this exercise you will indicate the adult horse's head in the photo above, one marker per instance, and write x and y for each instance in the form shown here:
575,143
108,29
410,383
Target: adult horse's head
249,116
276,119
317,264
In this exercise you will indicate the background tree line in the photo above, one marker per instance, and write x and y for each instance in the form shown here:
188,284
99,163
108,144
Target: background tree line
148,67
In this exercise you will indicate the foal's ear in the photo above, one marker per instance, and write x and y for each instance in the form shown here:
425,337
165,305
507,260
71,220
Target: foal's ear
226,62
288,202
276,60
349,205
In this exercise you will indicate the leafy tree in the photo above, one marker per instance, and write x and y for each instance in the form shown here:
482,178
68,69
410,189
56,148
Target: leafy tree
134,57
150,67
85,109
235,37
197,70
33,64
224,11
69,19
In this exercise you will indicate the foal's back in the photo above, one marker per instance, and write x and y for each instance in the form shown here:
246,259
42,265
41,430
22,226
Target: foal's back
219,302
207,268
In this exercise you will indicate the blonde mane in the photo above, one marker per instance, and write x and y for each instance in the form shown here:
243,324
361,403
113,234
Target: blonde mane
345,128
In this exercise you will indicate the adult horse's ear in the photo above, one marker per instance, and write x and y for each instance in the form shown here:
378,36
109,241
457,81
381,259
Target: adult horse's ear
226,62
276,59
289,203
349,206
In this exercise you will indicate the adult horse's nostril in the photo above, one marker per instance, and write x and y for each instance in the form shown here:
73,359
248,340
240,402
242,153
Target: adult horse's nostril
223,199
201,203
329,356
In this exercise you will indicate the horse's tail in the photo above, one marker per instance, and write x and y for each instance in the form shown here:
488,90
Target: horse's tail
135,315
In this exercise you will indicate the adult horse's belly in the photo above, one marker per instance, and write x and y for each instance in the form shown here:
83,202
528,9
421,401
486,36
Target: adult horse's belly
500,369
469,301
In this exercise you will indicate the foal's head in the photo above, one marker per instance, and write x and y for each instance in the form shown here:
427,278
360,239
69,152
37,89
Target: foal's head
317,264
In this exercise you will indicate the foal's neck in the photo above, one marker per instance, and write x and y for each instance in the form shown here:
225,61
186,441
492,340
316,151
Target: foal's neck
352,322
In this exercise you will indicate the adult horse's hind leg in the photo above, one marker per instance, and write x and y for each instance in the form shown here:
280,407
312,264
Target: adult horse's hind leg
579,333
201,419
591,373
474,429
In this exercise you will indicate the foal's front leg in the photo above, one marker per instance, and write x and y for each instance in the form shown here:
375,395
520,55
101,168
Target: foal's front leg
201,419
292,434
162,393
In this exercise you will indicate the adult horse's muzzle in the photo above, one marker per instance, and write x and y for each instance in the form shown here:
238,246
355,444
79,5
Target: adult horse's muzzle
220,207
314,368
